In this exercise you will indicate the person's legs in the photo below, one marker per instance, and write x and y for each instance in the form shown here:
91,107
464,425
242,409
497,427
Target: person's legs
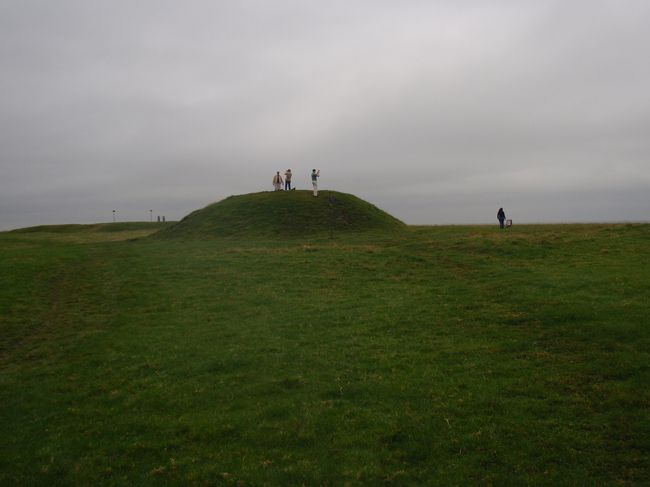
501,224
315,185
287,185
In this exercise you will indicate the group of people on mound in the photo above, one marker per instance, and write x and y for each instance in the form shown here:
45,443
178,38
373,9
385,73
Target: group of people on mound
278,181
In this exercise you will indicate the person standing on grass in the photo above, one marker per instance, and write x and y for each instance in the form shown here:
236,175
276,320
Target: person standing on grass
287,180
277,181
314,180
501,216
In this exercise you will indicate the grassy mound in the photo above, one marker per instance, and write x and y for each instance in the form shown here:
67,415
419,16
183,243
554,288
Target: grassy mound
287,213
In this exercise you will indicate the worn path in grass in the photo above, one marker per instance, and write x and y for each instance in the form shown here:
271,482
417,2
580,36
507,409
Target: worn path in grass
431,355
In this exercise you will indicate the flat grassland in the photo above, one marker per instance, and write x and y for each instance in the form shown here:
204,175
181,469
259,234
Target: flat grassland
428,356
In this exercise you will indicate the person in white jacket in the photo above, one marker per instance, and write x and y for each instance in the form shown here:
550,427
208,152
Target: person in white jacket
314,180
277,181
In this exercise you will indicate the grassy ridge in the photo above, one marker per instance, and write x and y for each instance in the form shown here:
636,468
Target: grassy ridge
285,214
97,232
440,355
94,227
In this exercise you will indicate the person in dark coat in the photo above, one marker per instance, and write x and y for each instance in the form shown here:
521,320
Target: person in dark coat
501,216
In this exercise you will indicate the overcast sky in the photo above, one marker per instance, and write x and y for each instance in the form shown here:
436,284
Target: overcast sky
435,111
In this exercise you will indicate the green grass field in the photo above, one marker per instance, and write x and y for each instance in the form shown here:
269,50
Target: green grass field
382,355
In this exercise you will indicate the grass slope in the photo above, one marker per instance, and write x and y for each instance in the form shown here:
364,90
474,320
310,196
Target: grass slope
283,213
430,356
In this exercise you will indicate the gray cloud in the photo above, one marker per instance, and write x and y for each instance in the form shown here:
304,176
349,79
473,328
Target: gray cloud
438,112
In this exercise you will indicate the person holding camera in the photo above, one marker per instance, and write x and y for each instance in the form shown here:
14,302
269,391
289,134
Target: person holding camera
287,180
314,180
